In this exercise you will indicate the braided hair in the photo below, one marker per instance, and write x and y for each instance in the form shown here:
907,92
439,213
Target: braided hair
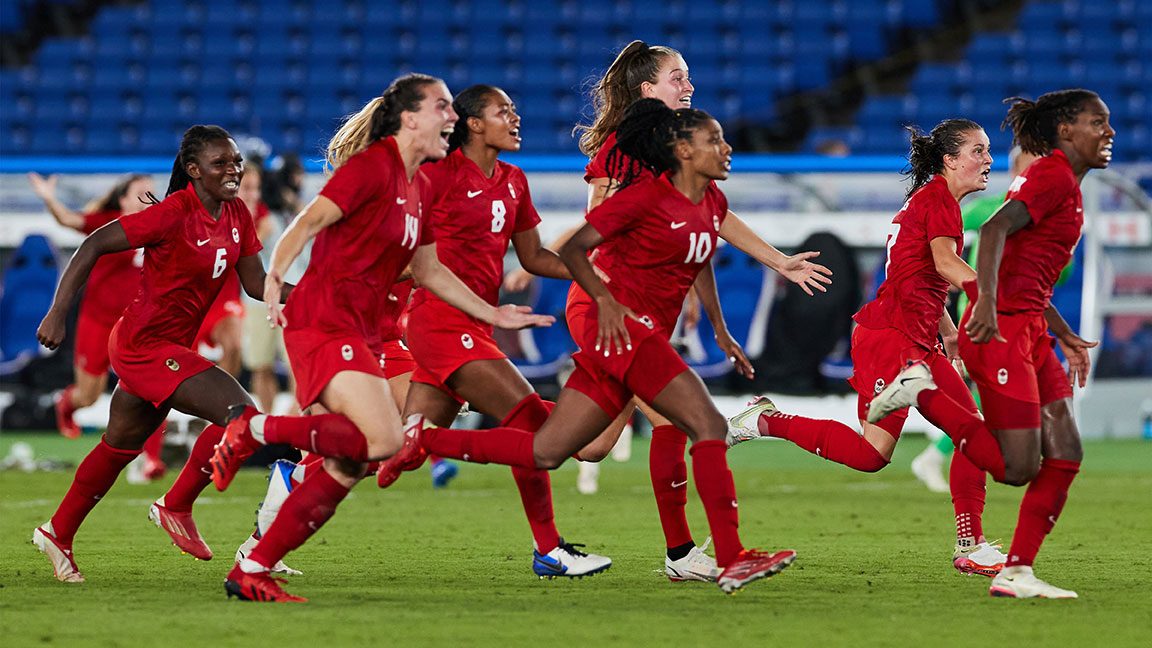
646,139
378,118
469,103
926,155
1034,123
191,146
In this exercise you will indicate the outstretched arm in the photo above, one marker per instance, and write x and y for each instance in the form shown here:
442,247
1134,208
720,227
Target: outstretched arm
317,215
252,278
45,189
1011,217
106,240
710,300
537,259
796,268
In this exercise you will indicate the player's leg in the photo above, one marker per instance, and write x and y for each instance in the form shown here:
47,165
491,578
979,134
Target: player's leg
228,335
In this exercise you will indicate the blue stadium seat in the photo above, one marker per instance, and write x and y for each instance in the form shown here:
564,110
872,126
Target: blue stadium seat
29,283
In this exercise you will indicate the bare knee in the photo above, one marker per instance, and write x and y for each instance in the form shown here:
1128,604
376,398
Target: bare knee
345,471
547,462
86,394
710,426
596,451
1018,471
384,444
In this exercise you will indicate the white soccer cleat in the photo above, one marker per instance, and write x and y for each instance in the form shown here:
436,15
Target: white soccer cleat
696,566
60,555
928,467
278,568
984,559
1020,582
588,477
279,486
745,426
902,392
567,560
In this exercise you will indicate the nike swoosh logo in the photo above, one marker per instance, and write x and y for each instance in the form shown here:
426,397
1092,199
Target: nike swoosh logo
204,470
679,484
199,242
473,194
400,201
679,225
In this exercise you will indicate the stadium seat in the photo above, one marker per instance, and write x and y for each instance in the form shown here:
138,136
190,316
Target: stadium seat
29,283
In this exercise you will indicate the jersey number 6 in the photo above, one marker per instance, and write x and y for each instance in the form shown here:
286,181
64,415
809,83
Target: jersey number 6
221,262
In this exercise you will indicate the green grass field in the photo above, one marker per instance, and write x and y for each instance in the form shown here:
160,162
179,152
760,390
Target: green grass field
411,566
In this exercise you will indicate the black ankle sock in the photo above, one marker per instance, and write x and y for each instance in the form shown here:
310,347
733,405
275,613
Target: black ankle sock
676,553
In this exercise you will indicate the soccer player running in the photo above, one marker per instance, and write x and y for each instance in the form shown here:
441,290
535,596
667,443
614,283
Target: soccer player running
369,222
192,240
652,239
901,326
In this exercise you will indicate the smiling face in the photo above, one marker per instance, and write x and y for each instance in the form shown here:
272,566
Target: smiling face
498,125
217,171
672,84
130,202
1090,136
707,153
432,122
968,170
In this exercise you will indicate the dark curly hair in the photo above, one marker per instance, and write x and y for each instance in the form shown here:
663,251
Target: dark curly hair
646,139
1034,123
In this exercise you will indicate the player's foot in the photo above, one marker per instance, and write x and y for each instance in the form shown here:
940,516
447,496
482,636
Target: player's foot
257,587
60,554
902,391
410,457
985,559
752,565
696,566
567,560
1020,582
928,467
153,469
587,477
745,426
278,568
235,447
443,472
280,485
64,421
181,529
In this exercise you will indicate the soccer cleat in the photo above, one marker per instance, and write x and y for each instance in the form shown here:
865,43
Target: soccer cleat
279,487
278,568
237,445
153,469
588,477
902,391
567,560
257,587
752,565
410,456
745,426
443,472
181,529
64,421
928,468
696,566
60,554
984,559
1020,582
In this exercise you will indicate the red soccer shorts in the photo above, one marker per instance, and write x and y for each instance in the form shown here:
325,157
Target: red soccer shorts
316,356
154,372
443,339
395,359
1015,378
91,350
216,312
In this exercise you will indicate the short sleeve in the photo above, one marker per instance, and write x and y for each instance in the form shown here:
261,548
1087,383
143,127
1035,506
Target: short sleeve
354,183
95,220
618,213
942,218
437,182
1042,188
597,167
155,224
526,216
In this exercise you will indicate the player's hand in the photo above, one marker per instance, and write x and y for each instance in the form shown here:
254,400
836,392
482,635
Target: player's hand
511,316
951,344
613,333
1075,348
982,325
802,272
735,354
51,330
44,188
518,280
273,284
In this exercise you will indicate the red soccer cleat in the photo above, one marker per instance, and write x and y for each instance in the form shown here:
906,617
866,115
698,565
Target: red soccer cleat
181,529
64,412
60,554
752,565
258,587
410,457
235,447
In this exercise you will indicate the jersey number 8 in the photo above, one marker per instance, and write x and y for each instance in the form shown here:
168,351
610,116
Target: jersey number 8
498,212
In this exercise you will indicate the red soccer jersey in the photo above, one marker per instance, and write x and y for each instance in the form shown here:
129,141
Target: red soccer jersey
356,260
1035,255
474,218
598,165
115,278
188,257
391,328
655,243
912,296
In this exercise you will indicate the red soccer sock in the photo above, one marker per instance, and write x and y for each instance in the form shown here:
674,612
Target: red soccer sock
155,442
502,445
535,485
94,477
69,405
967,483
328,435
196,474
307,508
966,429
669,473
831,440
1040,509
718,494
